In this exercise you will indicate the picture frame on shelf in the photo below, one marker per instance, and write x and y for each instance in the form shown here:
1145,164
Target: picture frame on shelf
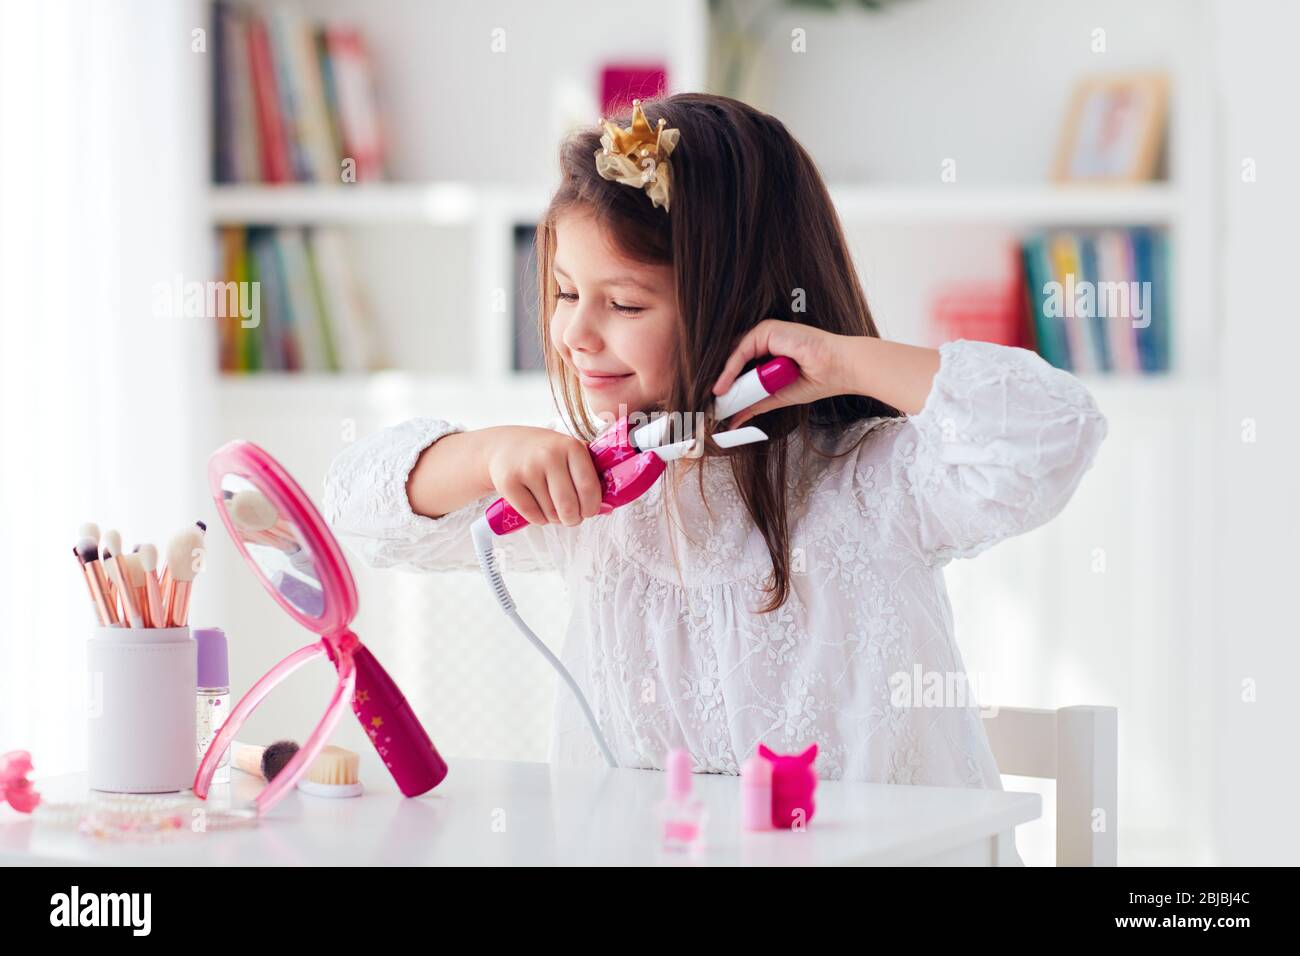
1114,130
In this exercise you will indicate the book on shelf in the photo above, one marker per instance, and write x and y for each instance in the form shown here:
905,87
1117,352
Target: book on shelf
311,314
987,310
293,101
1089,301
1098,300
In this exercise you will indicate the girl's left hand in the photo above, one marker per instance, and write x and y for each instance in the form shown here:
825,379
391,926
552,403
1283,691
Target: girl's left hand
819,354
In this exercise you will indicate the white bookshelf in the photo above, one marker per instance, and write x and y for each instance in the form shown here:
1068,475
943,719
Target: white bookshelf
460,204
488,214
436,242
1031,205
434,204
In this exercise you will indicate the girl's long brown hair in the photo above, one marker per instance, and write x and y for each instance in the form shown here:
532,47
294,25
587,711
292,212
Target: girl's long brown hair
752,235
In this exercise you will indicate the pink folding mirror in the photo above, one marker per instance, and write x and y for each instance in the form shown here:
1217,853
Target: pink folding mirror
293,553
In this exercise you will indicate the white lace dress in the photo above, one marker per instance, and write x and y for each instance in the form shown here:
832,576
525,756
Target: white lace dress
662,635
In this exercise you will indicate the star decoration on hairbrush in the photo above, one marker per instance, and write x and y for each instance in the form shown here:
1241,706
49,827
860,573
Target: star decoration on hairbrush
638,156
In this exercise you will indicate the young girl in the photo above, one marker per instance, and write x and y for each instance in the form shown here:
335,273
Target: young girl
782,592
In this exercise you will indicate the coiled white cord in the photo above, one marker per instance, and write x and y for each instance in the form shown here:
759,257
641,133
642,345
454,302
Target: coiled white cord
484,538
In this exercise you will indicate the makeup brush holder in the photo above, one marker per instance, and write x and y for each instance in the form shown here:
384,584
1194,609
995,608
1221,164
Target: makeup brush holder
141,709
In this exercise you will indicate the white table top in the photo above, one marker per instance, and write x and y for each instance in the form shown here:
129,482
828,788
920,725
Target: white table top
491,812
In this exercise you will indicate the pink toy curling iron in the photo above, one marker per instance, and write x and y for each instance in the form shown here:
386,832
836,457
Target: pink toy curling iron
628,464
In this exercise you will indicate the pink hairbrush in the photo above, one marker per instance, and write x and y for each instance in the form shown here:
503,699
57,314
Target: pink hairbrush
628,464
793,781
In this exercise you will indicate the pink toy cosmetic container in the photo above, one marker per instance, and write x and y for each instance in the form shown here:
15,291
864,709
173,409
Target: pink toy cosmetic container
794,780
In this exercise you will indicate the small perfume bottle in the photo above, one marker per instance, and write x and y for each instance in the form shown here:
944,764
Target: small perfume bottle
683,817
756,794
213,700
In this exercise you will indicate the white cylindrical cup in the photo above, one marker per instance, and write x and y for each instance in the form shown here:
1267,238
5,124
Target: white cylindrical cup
141,713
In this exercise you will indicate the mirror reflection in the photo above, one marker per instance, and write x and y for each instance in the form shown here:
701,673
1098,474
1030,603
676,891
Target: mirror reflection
274,542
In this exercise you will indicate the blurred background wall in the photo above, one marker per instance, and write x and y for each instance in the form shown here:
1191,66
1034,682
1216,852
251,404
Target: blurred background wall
134,158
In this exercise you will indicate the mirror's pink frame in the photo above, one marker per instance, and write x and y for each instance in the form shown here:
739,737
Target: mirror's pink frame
248,461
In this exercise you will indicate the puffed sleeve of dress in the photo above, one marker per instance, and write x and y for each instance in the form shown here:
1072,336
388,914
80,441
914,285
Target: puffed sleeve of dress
998,449
366,504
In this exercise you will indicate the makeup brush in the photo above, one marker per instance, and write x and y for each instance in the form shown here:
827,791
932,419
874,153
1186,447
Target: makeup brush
264,762
166,577
135,579
110,552
258,520
153,606
88,554
251,511
85,576
90,587
182,550
254,516
91,530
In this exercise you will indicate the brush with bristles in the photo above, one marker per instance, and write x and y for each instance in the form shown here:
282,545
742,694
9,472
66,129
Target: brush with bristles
111,592
139,590
153,605
333,774
90,588
184,555
258,520
251,511
164,575
264,762
110,552
86,551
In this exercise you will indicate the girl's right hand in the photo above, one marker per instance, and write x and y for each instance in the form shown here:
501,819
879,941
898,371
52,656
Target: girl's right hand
546,476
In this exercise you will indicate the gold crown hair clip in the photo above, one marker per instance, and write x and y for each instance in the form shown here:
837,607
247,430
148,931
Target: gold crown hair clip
638,156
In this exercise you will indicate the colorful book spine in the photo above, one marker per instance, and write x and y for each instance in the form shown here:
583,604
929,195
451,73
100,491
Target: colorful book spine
312,314
1112,264
354,90
222,79
228,327
1049,327
250,338
1096,322
1067,275
279,28
1162,286
276,163
1099,301
291,100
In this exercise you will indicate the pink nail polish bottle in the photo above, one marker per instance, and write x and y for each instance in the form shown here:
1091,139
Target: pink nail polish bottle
756,794
683,817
